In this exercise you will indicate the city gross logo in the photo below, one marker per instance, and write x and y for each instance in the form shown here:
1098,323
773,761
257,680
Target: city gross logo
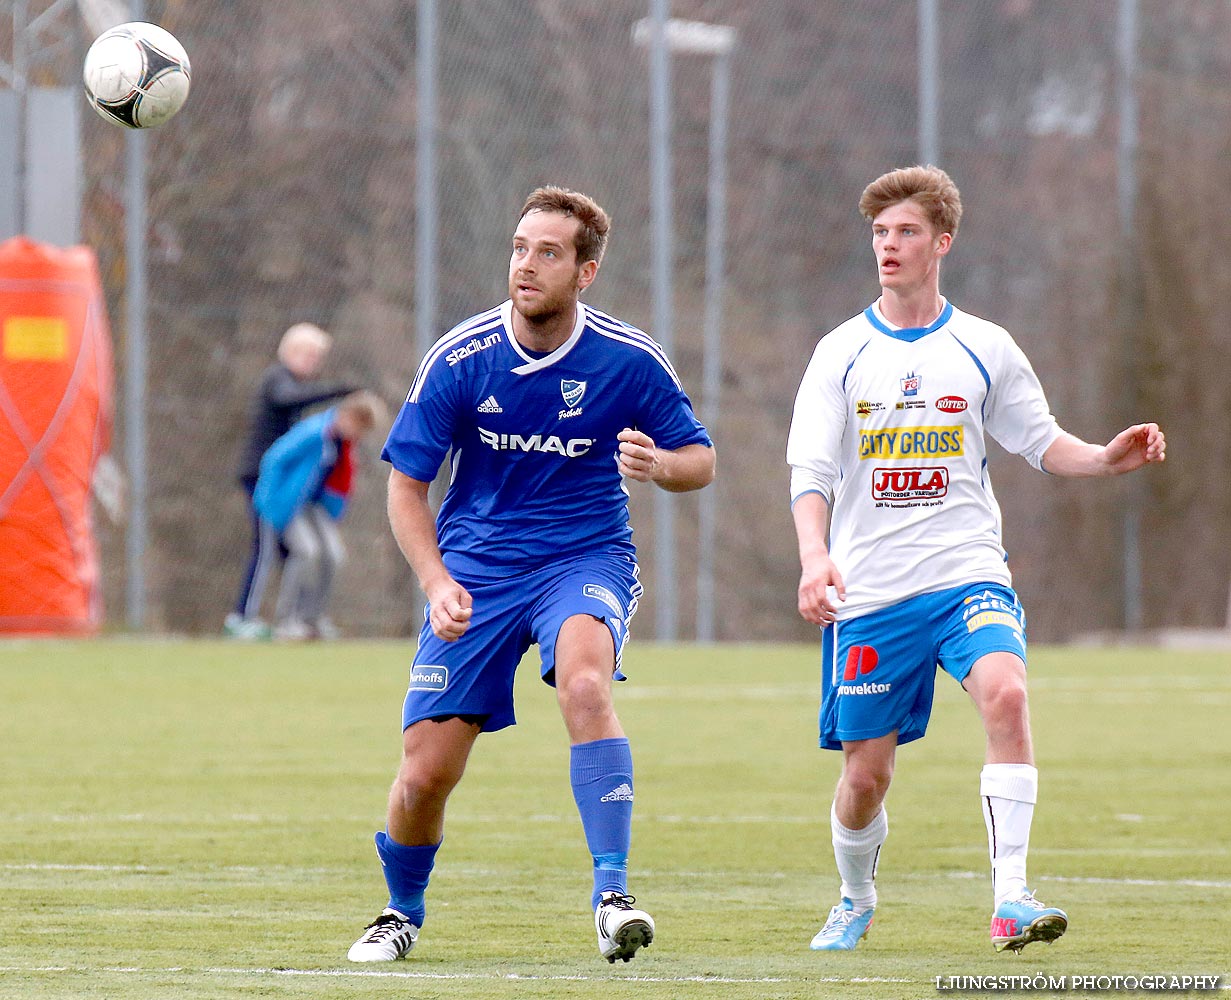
989,608
951,404
911,442
550,444
473,347
910,484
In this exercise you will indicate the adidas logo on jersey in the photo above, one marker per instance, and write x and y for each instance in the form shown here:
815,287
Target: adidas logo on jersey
489,405
622,792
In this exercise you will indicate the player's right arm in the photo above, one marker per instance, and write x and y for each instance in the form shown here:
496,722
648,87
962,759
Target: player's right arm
814,446
414,527
818,572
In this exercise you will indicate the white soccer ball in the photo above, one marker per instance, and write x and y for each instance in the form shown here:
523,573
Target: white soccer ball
137,75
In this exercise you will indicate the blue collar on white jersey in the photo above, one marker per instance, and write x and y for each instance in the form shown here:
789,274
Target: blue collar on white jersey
909,333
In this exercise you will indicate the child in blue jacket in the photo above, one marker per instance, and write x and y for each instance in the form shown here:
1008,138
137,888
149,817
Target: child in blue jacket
301,493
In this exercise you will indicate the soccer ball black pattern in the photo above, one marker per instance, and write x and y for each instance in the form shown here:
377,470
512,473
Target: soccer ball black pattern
136,75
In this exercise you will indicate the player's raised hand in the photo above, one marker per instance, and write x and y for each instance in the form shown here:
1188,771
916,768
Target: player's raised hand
450,610
639,458
1134,447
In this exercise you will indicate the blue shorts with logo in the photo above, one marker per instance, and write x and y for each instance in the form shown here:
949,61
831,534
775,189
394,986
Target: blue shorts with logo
878,671
474,675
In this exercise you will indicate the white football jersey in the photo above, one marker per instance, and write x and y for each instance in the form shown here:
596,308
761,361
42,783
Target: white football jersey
889,428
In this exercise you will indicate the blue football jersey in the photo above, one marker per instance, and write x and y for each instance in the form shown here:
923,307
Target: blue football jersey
534,473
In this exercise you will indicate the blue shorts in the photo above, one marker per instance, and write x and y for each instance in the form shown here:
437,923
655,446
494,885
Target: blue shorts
878,671
474,675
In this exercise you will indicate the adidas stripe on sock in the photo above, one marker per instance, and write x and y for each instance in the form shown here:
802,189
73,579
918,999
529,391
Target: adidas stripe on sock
601,773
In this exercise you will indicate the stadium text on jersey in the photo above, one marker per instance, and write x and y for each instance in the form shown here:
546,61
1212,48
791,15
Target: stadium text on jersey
473,347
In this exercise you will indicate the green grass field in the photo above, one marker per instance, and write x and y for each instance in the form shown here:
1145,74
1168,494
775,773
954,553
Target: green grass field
194,819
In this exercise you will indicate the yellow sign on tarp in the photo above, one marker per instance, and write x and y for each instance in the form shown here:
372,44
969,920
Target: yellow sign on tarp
35,338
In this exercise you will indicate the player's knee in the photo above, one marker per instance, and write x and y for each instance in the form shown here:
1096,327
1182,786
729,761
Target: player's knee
418,782
583,691
1007,703
867,784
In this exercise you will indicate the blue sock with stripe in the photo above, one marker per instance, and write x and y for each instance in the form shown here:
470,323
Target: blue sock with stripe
407,870
601,773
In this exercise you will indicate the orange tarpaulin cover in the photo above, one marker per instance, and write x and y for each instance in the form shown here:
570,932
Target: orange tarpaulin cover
55,423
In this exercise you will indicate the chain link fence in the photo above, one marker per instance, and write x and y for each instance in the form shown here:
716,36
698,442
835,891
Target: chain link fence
286,191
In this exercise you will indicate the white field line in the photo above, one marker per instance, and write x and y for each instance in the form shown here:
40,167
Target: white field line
793,691
1160,682
391,974
1197,883
49,867
1223,986
569,819
1193,883
140,819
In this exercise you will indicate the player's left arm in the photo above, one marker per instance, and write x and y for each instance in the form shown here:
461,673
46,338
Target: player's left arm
1132,448
676,470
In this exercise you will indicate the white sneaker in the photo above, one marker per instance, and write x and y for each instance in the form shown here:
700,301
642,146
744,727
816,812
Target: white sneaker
325,629
386,939
292,630
245,629
622,929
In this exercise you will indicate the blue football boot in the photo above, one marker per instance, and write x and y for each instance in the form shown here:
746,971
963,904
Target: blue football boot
1018,922
843,929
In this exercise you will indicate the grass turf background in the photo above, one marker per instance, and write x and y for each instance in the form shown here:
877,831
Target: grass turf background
194,819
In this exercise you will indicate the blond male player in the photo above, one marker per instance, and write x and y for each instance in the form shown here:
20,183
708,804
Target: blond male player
900,547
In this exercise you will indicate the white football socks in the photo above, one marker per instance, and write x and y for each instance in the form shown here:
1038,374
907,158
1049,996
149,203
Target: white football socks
1009,792
856,852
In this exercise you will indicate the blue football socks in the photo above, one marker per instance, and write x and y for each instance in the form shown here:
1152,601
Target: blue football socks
407,870
602,776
